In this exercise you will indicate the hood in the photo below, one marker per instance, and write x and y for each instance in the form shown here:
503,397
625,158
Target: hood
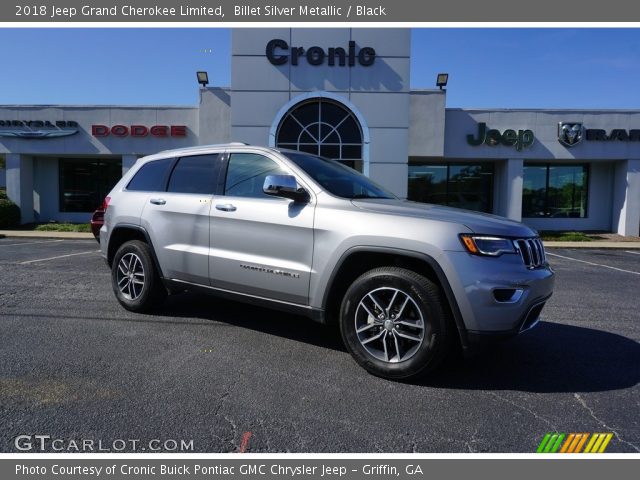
482,223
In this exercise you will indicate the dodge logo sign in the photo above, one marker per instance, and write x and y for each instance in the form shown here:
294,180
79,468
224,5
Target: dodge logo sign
570,134
139,131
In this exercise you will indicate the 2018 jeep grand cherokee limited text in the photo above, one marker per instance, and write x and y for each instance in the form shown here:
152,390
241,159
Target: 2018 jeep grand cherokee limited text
289,230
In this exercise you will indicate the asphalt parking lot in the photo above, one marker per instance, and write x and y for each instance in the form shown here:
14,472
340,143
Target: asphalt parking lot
75,365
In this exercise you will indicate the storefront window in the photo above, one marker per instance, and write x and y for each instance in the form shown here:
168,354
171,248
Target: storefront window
84,182
468,186
322,127
555,191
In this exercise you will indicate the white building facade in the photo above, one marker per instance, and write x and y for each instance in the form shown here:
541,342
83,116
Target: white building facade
343,94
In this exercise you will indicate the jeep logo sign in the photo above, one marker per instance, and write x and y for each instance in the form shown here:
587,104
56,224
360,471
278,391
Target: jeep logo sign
278,53
520,139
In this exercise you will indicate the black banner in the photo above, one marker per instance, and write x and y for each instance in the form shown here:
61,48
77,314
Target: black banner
306,468
380,11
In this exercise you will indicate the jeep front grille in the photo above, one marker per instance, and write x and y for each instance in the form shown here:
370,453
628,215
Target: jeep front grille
532,252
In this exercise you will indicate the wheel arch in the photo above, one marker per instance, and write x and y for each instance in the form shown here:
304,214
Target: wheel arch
126,232
358,260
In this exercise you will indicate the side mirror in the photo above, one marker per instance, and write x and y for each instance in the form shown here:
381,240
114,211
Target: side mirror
284,186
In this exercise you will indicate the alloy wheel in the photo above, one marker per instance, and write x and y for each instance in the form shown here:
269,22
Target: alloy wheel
389,324
130,276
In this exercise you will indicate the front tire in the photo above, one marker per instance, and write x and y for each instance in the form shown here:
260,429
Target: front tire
394,323
134,278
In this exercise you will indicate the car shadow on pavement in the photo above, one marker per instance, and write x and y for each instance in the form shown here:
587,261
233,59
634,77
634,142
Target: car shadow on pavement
270,322
550,358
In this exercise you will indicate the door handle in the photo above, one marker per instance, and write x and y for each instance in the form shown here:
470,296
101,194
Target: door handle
158,201
227,207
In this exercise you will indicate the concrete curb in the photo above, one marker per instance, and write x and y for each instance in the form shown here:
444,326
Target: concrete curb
37,234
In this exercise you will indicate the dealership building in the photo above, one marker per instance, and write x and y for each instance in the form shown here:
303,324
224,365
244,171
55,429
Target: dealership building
343,94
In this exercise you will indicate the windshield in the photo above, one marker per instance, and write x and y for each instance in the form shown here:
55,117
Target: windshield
338,179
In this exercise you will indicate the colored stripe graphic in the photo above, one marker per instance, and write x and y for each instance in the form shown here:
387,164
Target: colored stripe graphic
599,443
592,441
577,443
556,446
550,443
606,442
543,443
581,443
568,442
554,442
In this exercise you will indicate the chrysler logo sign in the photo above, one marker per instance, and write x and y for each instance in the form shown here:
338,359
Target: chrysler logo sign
570,134
37,128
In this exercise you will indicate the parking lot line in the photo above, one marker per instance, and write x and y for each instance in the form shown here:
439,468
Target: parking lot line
592,263
635,253
28,243
59,256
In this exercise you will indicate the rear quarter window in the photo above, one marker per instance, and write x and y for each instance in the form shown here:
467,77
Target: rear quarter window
151,177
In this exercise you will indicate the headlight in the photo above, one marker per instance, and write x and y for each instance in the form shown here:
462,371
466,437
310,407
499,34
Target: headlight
486,245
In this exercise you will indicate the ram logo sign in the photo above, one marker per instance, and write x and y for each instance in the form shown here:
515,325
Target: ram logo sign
570,134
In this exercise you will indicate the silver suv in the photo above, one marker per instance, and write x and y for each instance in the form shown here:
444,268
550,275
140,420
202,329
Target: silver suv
406,282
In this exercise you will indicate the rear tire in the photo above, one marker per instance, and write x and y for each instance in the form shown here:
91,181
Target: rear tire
135,279
394,323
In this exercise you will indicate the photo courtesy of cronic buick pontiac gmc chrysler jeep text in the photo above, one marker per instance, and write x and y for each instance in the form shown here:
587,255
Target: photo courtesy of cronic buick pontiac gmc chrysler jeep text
407,282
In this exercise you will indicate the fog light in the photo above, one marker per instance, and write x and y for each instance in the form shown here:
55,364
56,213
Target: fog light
508,295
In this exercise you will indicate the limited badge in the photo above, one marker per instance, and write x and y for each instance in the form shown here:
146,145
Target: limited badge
570,134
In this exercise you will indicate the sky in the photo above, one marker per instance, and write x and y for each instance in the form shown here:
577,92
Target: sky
488,67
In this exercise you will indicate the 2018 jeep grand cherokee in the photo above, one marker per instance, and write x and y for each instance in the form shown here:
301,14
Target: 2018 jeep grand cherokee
298,232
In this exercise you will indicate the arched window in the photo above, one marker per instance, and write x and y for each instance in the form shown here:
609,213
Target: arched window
322,127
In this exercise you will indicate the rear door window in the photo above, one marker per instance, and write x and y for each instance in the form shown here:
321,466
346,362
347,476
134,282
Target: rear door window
195,174
152,176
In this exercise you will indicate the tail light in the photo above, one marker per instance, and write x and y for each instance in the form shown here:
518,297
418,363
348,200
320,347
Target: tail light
105,203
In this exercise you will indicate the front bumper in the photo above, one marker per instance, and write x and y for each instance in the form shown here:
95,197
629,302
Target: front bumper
499,296
479,340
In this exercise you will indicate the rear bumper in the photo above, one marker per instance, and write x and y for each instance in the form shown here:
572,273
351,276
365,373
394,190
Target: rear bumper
97,220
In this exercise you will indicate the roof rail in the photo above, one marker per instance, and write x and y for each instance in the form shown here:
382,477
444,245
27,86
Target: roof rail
196,148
